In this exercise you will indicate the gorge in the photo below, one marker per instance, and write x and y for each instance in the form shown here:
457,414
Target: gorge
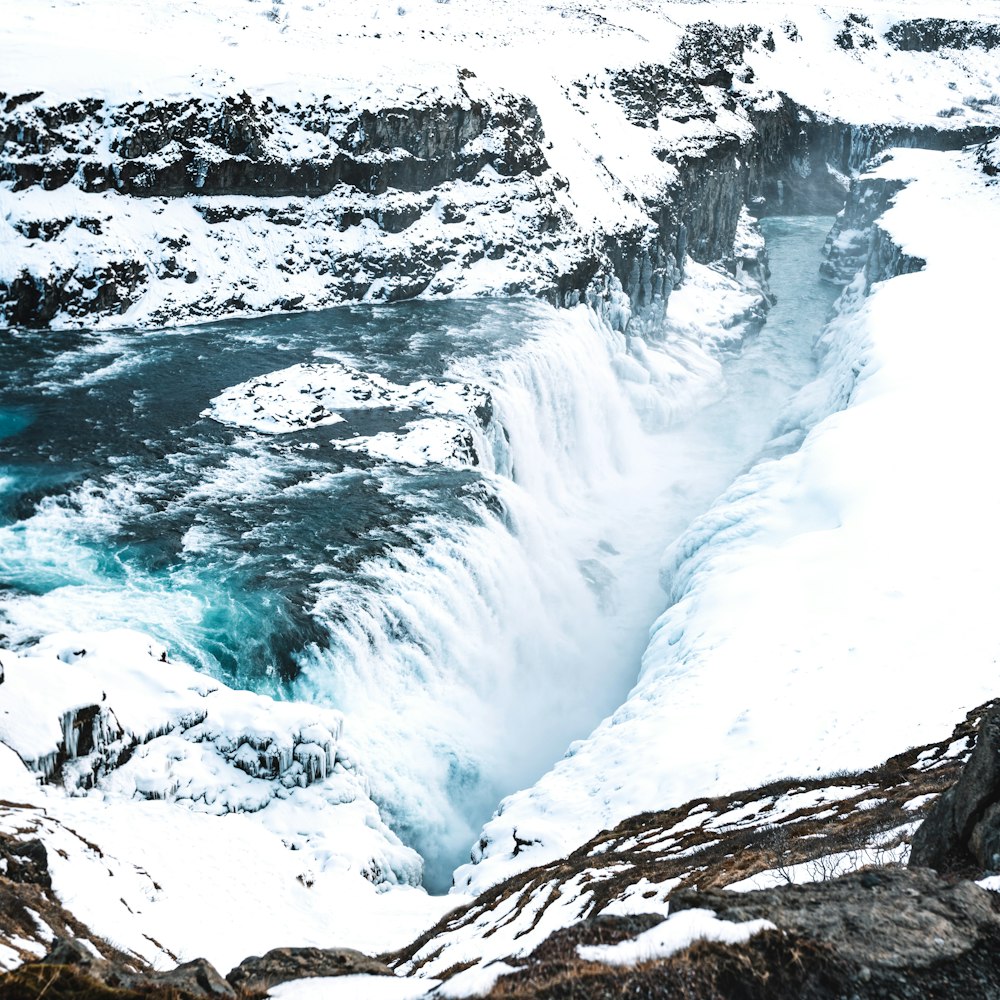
373,436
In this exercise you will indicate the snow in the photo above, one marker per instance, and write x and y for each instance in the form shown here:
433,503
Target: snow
822,587
853,574
353,988
118,50
823,868
677,932
208,780
313,395
642,896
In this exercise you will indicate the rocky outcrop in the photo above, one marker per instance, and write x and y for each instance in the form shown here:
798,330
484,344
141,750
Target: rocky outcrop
240,146
802,162
72,969
930,34
857,242
31,914
895,932
988,157
335,186
25,862
254,976
963,828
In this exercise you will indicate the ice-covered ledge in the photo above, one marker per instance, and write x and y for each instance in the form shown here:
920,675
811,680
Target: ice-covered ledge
176,763
837,602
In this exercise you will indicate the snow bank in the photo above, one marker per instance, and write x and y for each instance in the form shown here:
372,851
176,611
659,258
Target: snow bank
677,932
193,783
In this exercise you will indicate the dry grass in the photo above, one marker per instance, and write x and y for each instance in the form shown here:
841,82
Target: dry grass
645,847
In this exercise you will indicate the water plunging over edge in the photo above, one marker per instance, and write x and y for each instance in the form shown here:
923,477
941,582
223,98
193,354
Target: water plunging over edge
468,643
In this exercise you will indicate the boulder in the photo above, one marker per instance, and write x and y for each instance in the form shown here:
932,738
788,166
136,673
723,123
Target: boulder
963,827
199,978
256,975
195,979
884,919
26,861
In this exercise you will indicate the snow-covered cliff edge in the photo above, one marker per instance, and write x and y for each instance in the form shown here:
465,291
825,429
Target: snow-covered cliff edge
436,149
839,593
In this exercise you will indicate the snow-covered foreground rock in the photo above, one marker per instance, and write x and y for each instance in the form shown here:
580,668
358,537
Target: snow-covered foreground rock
839,595
173,789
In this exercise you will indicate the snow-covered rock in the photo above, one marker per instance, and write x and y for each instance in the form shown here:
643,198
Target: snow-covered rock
313,395
189,783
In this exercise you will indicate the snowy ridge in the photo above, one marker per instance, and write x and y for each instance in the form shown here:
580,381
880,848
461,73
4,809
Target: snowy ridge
804,580
202,187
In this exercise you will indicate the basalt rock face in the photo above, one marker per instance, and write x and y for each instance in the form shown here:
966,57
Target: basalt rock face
867,936
801,163
239,146
346,204
788,160
930,34
857,242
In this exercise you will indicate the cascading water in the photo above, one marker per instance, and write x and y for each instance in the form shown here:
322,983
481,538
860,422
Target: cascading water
471,620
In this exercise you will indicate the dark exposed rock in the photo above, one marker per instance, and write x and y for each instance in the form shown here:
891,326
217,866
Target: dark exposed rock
198,978
34,301
25,861
893,918
988,157
174,148
257,974
928,34
68,951
963,828
709,843
856,33
857,242
81,969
